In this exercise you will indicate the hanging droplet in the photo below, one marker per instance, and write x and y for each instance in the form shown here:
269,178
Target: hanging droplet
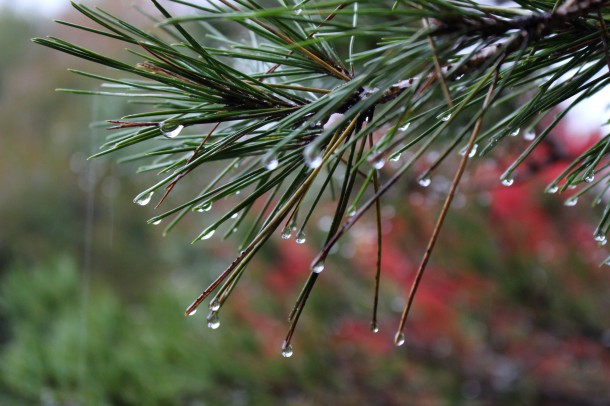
318,267
234,216
405,127
143,201
552,189
215,305
374,327
207,234
515,132
286,233
529,135
445,117
312,157
395,157
170,130
571,201
192,312
156,223
271,162
507,181
286,350
424,181
399,339
300,238
352,212
590,178
378,163
473,151
213,320
207,206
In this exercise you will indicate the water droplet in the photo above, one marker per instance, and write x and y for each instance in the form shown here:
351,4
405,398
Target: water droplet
170,130
298,11
424,181
213,320
374,327
607,261
529,135
379,163
286,350
507,181
589,178
207,206
215,305
143,201
300,239
352,212
399,339
192,312
234,216
207,234
311,156
571,201
271,162
156,223
405,127
515,132
472,153
395,157
318,267
445,117
552,189
286,233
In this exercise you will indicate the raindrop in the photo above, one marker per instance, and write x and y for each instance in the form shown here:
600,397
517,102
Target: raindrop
207,234
170,130
234,216
552,189
318,267
379,163
571,201
192,312
213,320
286,233
600,238
395,157
300,239
472,153
286,350
270,162
143,201
515,132
215,305
298,11
405,127
156,223
312,158
374,327
399,339
507,181
424,181
207,206
445,117
529,135
589,178
352,212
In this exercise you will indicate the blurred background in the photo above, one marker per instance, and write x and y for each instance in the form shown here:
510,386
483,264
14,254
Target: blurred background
514,308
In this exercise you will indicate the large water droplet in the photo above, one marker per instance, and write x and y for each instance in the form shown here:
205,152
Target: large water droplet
552,189
508,181
207,234
213,320
192,312
286,350
445,117
156,223
378,163
206,206
300,238
395,157
399,339
374,327
424,181
571,201
590,178
515,132
215,305
318,267
170,130
529,135
472,153
143,201
271,162
286,233
600,238
312,157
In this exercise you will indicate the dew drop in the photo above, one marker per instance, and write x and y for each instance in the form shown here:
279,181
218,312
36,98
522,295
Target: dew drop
300,238
472,153
590,178
424,181
352,212
379,163
156,223
311,156
298,11
192,312
207,234
215,305
571,201
374,328
395,157
399,339
234,216
287,350
213,320
271,162
170,130
515,132
286,233
507,181
552,189
318,267
405,127
445,117
529,135
143,201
